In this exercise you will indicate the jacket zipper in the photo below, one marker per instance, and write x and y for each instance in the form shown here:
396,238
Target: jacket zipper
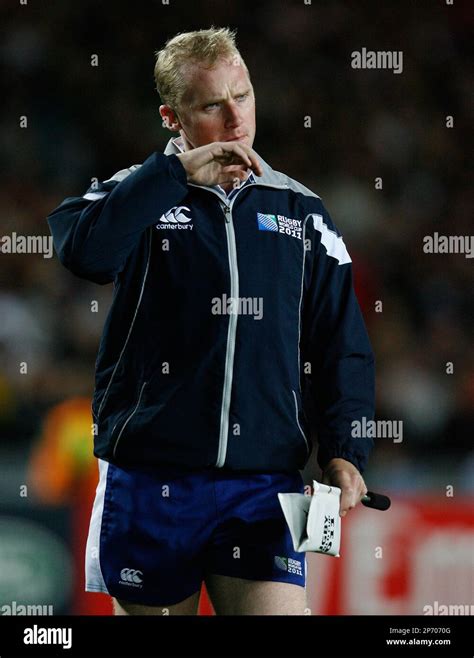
129,417
231,333
232,330
298,422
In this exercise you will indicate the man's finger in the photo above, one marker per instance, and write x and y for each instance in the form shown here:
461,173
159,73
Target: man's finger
256,166
233,152
247,155
348,499
351,496
231,168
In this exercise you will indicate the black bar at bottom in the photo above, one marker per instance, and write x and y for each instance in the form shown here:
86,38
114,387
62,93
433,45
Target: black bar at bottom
309,637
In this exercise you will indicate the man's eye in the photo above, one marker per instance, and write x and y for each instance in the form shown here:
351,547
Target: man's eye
211,105
242,96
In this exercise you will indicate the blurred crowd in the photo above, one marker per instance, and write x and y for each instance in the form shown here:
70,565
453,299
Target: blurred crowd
86,122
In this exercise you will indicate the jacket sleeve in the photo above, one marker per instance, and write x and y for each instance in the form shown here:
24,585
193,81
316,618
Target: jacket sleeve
94,234
342,387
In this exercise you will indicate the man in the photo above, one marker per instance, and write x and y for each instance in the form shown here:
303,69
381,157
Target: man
233,306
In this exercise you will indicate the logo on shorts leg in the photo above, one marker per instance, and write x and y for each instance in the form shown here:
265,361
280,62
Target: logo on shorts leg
288,564
131,577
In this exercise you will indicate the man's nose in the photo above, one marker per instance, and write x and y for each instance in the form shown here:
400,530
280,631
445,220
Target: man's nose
233,116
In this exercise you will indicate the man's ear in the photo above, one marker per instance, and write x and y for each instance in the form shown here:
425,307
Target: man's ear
170,118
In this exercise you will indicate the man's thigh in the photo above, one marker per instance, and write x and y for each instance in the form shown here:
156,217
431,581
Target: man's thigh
187,607
238,596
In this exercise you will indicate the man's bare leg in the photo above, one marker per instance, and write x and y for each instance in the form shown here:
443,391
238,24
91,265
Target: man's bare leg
187,607
238,596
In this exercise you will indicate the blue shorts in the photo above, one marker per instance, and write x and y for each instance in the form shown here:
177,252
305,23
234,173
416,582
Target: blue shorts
154,536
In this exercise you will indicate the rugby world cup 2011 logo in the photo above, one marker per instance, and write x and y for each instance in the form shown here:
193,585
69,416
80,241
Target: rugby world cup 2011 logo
267,222
281,562
288,564
280,224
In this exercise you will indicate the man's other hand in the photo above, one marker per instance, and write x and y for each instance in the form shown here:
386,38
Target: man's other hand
341,473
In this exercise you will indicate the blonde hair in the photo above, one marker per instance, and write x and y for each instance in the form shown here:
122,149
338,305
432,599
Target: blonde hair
203,46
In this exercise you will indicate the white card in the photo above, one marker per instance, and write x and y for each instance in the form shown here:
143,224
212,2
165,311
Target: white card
314,521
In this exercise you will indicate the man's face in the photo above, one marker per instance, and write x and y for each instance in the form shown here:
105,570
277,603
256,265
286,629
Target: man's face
218,106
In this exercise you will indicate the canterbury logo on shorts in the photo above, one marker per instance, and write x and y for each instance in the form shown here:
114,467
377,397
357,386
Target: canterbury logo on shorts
132,577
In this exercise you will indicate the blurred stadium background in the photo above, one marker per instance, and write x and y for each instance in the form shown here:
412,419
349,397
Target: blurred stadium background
86,122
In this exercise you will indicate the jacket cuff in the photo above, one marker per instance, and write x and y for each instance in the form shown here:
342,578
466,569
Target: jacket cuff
177,169
325,456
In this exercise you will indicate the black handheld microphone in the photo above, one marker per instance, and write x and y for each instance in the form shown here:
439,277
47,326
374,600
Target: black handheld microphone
376,501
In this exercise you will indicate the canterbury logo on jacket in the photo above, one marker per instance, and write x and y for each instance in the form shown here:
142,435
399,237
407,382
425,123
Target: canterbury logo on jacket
187,372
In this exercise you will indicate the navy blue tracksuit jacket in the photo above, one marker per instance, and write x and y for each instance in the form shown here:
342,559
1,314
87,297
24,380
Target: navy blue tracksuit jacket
233,322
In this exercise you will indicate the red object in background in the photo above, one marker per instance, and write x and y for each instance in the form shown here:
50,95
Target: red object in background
205,606
396,581
364,285
405,561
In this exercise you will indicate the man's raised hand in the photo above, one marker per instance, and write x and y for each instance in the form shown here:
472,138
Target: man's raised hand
220,163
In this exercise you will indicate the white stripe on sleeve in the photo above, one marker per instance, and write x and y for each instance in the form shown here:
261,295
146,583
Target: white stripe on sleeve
333,243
